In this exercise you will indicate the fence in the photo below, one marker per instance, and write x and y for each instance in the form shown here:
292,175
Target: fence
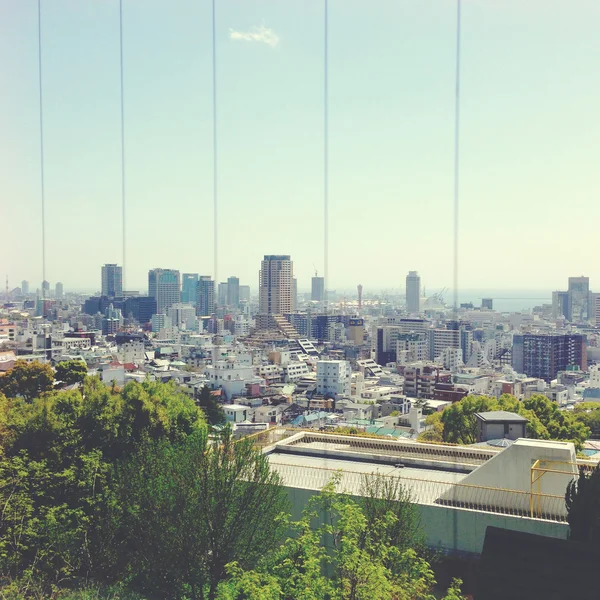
398,448
423,491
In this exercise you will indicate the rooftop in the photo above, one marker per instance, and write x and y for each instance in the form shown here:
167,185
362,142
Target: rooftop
500,416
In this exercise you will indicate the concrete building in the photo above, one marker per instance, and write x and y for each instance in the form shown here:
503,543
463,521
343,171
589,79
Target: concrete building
236,413
294,371
25,287
140,308
440,339
112,280
317,292
233,292
231,376
161,321
222,293
560,304
334,378
500,424
275,290
189,288
544,355
579,297
59,290
356,331
487,303
205,305
275,283
411,347
182,316
294,294
244,293
413,293
164,285
445,496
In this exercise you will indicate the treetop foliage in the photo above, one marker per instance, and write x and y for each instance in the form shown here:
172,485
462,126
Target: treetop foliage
457,423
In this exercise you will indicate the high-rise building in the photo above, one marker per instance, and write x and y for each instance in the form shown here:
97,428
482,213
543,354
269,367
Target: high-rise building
164,285
560,304
413,292
222,294
182,315
45,288
244,293
160,321
205,305
543,356
25,287
233,292
334,378
189,288
275,283
59,290
487,303
294,294
141,308
579,299
595,307
317,292
112,280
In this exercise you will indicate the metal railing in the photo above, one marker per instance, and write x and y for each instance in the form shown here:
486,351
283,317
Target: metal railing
400,447
429,492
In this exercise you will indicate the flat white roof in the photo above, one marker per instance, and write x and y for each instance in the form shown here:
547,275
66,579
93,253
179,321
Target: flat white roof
312,473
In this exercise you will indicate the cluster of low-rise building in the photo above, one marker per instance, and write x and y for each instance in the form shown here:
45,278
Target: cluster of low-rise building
286,358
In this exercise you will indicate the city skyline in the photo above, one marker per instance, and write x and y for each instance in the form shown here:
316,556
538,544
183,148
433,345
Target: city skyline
527,140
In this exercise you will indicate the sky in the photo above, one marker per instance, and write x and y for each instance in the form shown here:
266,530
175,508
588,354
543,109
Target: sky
529,140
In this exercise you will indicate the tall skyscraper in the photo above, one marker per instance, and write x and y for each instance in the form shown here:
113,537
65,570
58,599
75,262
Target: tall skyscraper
413,292
206,296
222,293
317,292
189,288
233,292
25,287
275,285
244,293
579,299
294,294
112,280
59,290
165,287
560,304
45,288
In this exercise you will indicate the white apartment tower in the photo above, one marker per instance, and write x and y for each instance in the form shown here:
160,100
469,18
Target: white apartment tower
413,292
334,378
276,285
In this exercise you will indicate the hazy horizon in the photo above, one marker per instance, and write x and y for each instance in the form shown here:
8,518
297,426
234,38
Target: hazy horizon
530,139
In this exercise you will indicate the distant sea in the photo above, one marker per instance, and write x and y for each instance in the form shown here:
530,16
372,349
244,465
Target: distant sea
504,300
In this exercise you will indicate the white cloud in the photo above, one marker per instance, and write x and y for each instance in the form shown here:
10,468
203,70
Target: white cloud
256,34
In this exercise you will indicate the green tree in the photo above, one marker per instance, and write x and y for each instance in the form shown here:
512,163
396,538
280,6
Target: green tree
560,424
61,518
341,551
27,380
583,507
459,421
435,428
195,507
588,413
210,406
71,371
545,419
